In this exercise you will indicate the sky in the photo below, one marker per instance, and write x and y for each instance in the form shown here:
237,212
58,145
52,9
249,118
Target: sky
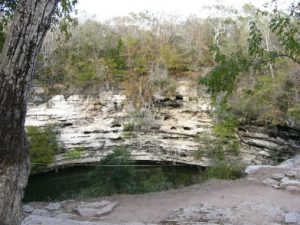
104,10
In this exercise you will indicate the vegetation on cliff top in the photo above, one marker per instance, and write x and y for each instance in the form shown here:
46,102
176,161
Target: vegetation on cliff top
260,81
255,59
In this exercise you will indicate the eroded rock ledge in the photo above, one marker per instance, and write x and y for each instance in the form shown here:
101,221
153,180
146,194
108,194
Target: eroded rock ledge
98,124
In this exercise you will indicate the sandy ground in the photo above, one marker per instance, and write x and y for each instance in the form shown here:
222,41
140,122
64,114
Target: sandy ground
155,207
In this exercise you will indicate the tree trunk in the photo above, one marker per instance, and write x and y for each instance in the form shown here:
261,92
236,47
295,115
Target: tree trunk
30,24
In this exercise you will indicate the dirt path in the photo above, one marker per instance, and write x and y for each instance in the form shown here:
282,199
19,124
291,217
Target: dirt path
243,201
156,207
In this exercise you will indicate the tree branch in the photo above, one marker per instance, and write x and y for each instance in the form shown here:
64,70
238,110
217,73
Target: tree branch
258,62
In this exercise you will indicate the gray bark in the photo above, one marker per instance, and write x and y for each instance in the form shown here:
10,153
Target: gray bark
30,24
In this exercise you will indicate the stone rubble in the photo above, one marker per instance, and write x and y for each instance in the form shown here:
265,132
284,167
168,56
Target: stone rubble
69,210
40,220
96,209
28,208
292,218
53,206
209,214
286,178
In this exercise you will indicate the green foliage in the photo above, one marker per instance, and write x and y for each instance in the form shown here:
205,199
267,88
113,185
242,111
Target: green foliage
233,146
116,173
226,128
114,55
255,40
221,143
261,75
7,7
115,58
287,32
172,57
294,112
216,148
129,127
2,36
224,170
269,101
43,145
63,16
118,170
156,182
223,76
129,130
75,153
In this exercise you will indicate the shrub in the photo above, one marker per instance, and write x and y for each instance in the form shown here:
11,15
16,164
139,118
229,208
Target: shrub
161,83
294,112
156,182
129,130
216,146
117,173
267,102
226,128
224,170
129,127
75,153
43,146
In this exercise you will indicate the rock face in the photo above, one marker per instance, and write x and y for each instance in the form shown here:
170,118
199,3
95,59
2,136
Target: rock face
96,125
276,144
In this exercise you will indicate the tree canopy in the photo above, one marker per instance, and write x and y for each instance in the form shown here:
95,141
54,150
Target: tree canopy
283,26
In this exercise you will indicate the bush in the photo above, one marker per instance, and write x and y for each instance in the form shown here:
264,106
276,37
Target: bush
219,143
269,101
129,127
43,145
156,182
226,128
294,112
224,170
117,172
75,153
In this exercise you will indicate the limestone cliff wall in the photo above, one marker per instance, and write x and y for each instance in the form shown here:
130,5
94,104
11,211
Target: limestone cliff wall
98,124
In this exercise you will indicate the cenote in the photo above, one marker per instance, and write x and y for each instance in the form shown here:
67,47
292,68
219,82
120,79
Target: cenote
95,181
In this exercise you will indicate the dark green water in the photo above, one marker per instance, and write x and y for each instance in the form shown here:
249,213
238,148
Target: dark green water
73,182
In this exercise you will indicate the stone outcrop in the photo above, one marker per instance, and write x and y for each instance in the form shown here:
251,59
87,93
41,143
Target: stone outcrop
95,125
96,209
269,144
285,176
71,213
211,215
